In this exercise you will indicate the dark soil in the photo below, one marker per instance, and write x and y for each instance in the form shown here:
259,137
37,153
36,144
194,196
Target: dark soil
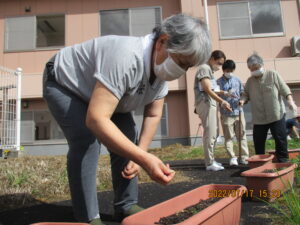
253,212
187,212
275,170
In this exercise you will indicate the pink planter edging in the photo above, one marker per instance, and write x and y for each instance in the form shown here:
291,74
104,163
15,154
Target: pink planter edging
259,160
293,153
226,211
269,186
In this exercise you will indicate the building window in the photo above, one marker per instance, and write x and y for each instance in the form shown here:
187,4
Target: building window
34,32
162,129
248,117
39,125
255,18
133,22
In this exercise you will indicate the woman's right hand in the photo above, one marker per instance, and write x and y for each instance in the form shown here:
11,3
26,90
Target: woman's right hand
157,170
226,106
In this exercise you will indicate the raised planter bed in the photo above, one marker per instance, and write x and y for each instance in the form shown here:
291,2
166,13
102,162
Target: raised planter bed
227,210
269,185
259,160
293,153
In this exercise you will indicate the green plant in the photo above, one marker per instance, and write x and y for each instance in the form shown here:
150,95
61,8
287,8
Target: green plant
297,161
292,144
288,205
17,180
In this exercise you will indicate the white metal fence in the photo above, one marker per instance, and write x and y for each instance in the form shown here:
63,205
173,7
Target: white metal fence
10,108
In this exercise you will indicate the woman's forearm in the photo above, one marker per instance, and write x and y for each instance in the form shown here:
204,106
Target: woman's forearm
110,135
152,116
148,131
213,95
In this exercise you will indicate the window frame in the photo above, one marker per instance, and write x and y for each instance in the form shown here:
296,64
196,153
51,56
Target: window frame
34,113
50,48
276,34
166,117
129,15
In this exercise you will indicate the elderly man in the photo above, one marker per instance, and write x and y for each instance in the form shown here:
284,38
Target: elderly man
266,91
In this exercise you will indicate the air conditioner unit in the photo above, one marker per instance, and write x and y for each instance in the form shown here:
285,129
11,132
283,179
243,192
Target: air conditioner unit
295,46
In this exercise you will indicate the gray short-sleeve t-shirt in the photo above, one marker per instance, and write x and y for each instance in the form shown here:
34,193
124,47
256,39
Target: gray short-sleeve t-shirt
204,71
118,62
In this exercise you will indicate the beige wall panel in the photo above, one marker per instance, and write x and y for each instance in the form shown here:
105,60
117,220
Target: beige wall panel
11,60
43,7
263,47
177,112
90,6
244,49
74,34
192,7
291,19
229,48
280,47
11,8
1,38
193,118
57,6
91,26
74,6
289,69
296,96
179,84
31,86
40,60
27,4
27,62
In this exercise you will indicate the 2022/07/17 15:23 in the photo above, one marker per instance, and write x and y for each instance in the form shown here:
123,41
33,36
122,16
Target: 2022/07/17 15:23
247,193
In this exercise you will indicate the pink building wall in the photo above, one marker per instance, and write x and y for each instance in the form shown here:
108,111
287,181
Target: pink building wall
274,50
82,23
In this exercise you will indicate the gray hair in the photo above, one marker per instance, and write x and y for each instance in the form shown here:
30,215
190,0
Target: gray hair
187,36
255,60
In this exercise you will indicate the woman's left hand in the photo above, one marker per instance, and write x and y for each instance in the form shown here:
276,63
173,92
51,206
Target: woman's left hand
131,170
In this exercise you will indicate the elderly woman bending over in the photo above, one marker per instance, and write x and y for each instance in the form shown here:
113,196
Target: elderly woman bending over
91,90
266,90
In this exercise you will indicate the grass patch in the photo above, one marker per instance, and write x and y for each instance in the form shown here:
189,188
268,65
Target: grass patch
289,204
28,180
292,144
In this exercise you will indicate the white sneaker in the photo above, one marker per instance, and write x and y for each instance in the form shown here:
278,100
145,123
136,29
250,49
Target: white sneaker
217,163
233,162
214,167
244,161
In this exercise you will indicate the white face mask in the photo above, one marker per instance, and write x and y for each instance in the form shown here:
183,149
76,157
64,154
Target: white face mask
228,75
168,70
257,73
215,68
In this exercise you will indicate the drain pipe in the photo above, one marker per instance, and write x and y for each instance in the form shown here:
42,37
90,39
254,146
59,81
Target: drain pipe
206,13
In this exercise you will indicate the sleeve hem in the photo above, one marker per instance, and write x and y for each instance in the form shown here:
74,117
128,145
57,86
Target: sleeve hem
111,88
